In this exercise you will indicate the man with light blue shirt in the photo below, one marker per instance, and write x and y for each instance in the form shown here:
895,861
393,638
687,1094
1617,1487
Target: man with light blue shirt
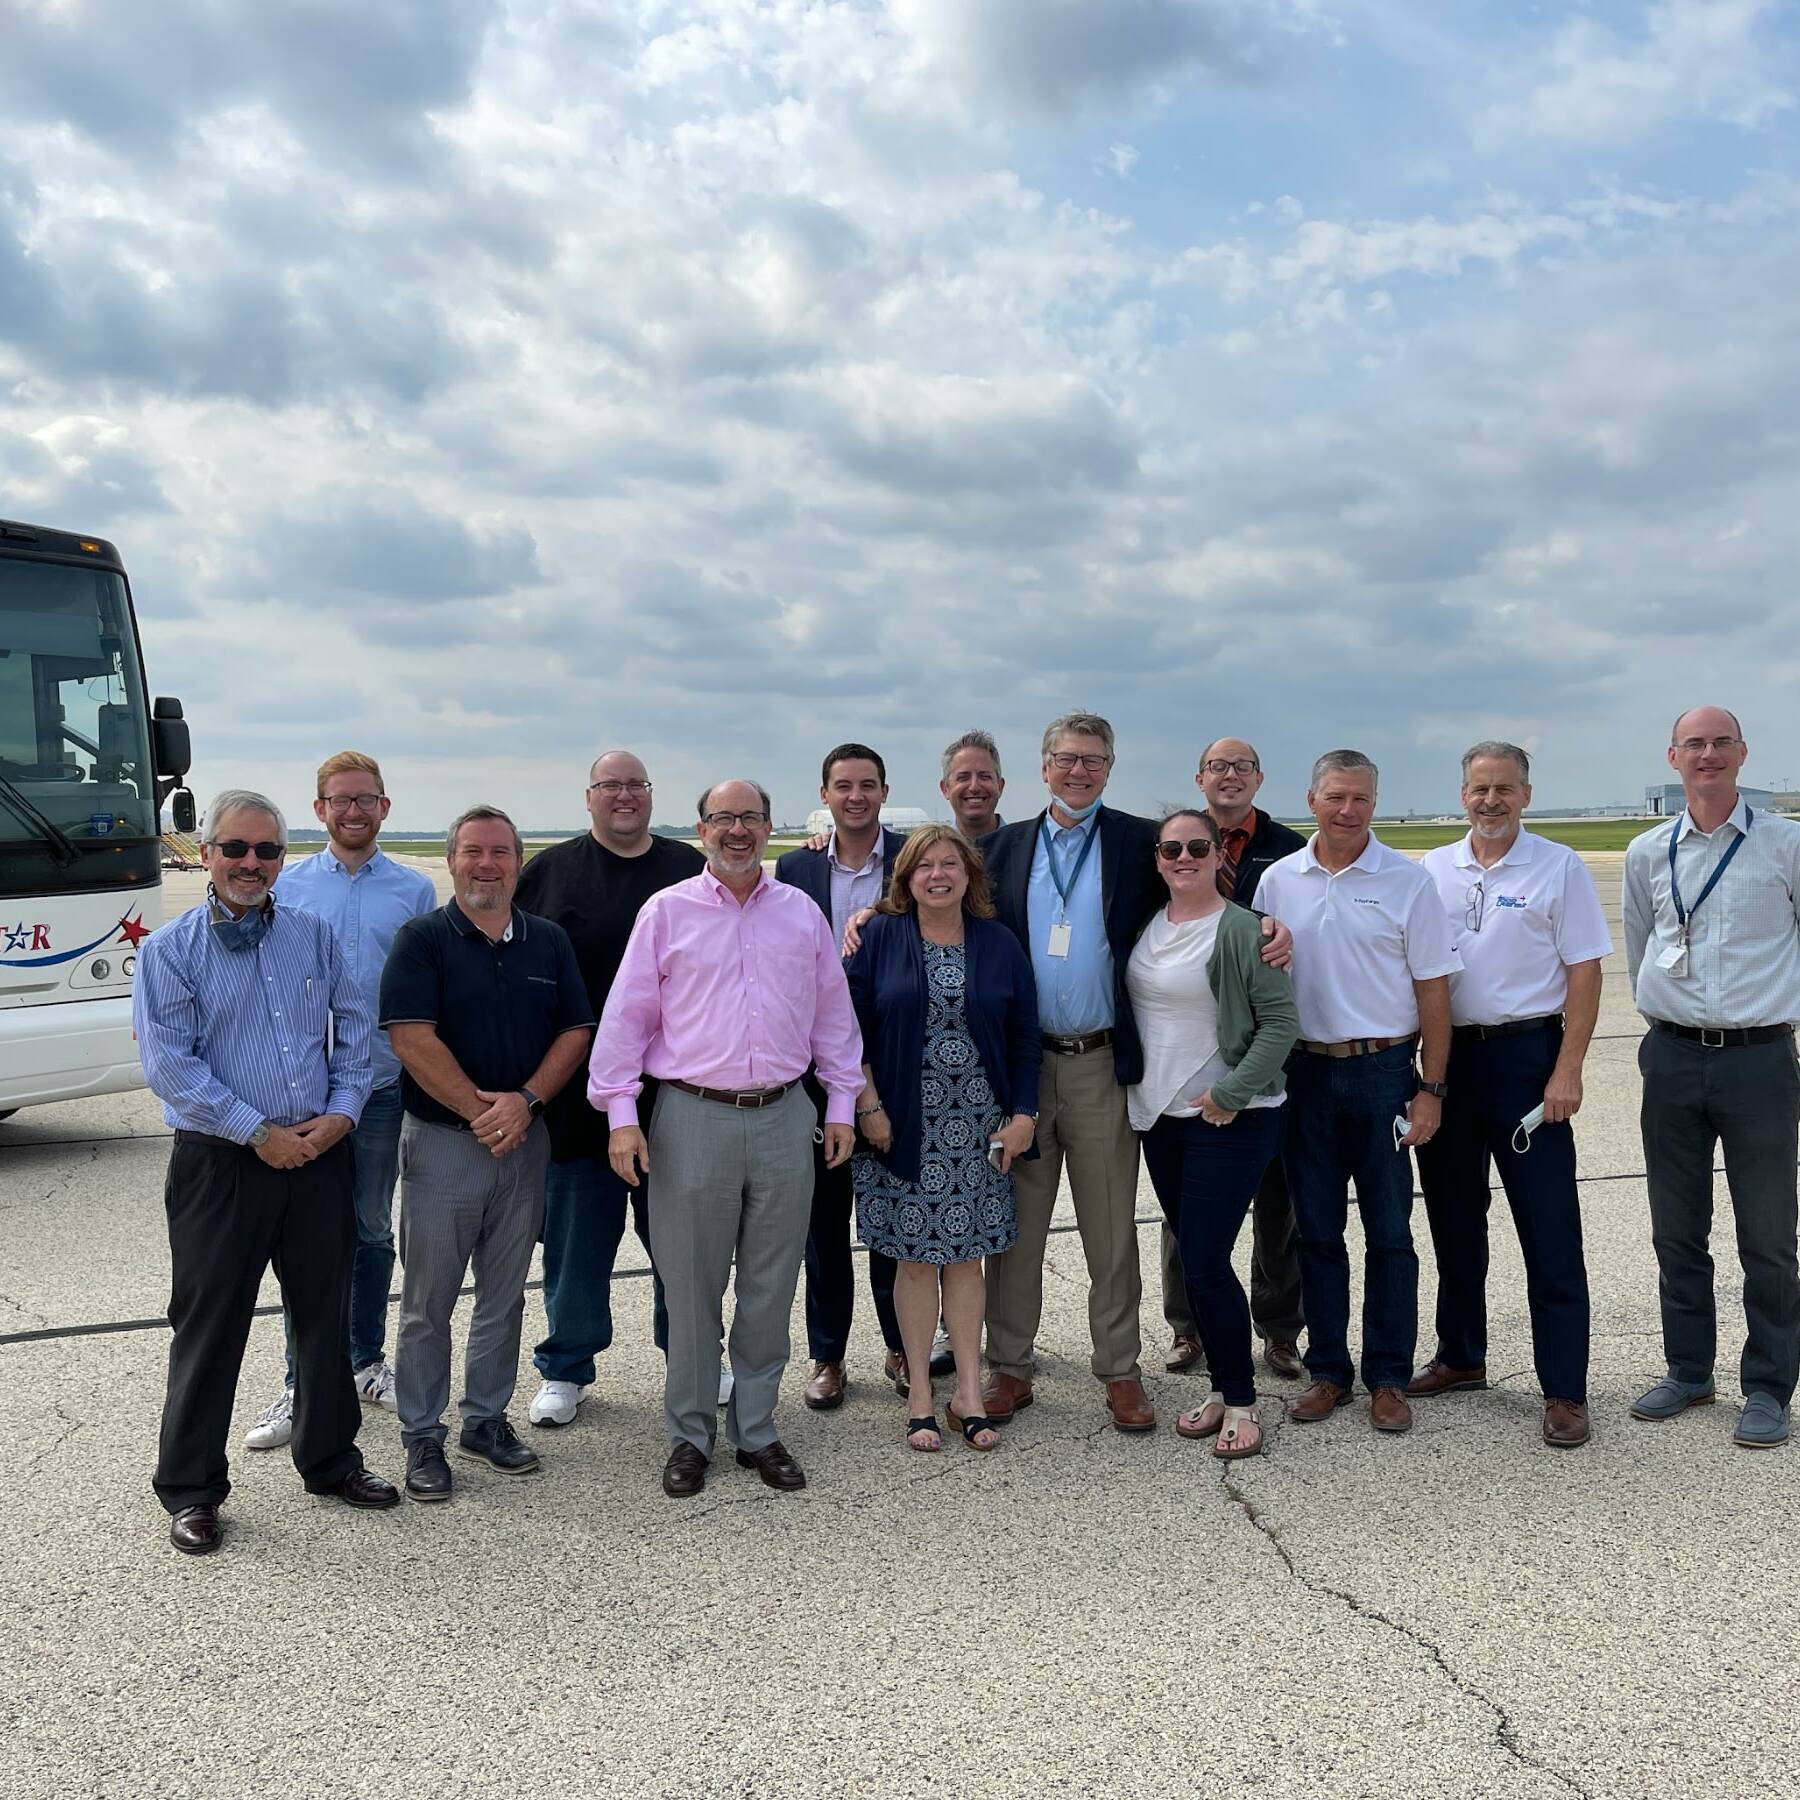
365,897
255,1036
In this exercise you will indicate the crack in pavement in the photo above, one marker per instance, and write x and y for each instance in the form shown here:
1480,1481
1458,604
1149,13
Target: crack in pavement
1505,1735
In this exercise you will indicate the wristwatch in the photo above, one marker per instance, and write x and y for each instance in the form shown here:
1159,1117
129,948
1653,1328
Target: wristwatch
1437,1089
259,1136
533,1105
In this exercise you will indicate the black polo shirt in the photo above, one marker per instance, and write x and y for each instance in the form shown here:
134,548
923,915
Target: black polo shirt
497,1007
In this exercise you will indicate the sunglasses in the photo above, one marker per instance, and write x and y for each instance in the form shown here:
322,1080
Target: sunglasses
233,849
1198,848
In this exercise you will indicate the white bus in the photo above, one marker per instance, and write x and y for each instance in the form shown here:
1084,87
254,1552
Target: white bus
85,766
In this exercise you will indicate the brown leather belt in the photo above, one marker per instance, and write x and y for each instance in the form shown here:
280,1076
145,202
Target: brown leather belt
1356,1046
747,1098
1079,1045
1464,1034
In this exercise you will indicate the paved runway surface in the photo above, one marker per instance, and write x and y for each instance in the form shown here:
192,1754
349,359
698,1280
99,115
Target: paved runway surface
1457,1612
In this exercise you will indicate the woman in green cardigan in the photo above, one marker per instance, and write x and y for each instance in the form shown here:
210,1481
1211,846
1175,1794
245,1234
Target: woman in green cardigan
1217,1024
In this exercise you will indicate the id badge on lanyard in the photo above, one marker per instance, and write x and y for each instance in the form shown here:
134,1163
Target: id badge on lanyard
1061,931
1673,958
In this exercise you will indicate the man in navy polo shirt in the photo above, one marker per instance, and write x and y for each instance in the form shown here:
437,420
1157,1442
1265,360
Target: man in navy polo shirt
487,1011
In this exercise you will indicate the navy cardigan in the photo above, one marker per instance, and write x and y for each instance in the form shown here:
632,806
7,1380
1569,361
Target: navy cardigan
887,987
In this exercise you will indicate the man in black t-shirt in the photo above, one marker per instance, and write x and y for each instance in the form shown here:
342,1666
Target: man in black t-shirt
592,886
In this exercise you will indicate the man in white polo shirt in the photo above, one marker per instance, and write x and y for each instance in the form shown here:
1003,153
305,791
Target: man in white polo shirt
1531,936
1372,957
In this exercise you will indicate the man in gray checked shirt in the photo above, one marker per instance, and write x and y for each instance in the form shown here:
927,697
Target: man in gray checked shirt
1712,945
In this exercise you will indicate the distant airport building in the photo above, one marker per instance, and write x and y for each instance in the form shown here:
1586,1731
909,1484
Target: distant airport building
903,819
1665,800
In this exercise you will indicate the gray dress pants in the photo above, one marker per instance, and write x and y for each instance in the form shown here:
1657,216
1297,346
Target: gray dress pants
729,1183
1745,1098
461,1204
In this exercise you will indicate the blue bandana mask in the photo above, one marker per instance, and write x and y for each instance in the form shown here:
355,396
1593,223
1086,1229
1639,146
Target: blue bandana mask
235,933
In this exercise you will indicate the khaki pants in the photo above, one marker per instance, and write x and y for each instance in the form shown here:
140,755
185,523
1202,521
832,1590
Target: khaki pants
1081,1122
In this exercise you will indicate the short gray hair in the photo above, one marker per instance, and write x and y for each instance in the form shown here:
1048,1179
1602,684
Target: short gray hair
1079,724
1496,747
473,816
230,800
972,740
1344,762
762,793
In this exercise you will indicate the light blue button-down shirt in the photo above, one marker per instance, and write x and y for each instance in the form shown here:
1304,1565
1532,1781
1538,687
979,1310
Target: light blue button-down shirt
1075,992
230,1038
365,908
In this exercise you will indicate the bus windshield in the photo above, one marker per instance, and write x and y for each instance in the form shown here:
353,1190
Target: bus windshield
74,744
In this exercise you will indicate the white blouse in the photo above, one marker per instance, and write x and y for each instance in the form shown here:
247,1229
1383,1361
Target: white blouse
1177,1018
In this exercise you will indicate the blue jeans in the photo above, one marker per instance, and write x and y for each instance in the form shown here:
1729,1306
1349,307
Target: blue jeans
375,1162
1205,1176
584,1220
1340,1129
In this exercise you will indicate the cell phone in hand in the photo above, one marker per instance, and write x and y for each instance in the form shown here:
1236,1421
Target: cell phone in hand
996,1150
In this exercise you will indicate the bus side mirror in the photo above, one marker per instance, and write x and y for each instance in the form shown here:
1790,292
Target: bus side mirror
182,811
169,738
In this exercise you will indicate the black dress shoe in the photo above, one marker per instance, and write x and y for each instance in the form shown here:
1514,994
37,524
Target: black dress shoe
495,1443
774,1465
427,1473
685,1471
195,1530
361,1488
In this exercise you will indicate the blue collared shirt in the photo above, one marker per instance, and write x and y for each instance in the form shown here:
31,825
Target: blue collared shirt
230,1038
365,908
1075,992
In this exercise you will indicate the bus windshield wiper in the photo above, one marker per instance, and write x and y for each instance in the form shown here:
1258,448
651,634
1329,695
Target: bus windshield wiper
62,846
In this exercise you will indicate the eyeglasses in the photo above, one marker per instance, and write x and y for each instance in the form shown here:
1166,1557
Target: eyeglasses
1475,904
723,821
362,802
610,788
1198,848
234,850
1221,765
1698,746
1065,760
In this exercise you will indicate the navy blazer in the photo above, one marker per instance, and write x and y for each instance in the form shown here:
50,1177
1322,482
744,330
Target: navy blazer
1130,893
887,988
810,870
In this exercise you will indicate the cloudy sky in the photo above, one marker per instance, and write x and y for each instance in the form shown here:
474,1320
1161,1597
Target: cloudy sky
483,384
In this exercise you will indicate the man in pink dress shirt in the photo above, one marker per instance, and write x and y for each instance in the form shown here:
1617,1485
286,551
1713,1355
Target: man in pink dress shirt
731,985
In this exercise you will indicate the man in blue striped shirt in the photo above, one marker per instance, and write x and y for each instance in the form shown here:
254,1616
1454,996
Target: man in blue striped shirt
365,897
233,1010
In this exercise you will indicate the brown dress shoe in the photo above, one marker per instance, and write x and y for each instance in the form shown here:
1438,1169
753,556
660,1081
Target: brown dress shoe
195,1530
1183,1354
1439,1378
1319,1400
895,1370
1003,1396
1129,1405
1283,1357
826,1389
1565,1424
774,1465
684,1473
1388,1410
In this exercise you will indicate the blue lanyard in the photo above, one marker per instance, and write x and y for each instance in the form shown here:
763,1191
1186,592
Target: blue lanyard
1682,913
1063,893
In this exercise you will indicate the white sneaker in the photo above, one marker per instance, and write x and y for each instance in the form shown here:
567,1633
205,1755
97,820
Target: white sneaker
555,1403
274,1426
375,1385
727,1381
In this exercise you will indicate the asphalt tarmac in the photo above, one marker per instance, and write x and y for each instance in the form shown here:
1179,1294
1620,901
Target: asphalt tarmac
1458,1612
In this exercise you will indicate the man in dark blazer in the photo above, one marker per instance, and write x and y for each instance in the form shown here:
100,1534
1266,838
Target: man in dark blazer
1230,776
848,874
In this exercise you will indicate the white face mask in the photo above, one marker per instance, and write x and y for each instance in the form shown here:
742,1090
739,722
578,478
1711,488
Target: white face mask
1521,1139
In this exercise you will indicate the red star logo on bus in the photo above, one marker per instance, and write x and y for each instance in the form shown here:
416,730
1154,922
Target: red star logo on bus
134,930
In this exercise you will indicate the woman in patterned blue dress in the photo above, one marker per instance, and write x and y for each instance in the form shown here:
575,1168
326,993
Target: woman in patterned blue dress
951,1049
